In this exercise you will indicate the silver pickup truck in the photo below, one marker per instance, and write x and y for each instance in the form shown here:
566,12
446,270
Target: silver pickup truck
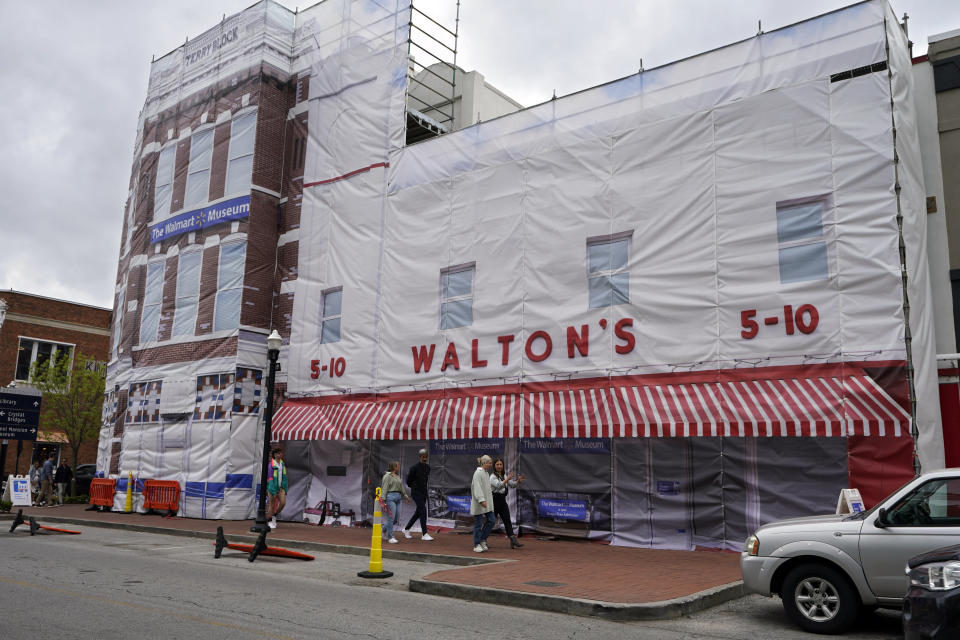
826,569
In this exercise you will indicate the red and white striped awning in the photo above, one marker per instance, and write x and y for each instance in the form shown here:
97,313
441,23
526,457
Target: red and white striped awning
847,404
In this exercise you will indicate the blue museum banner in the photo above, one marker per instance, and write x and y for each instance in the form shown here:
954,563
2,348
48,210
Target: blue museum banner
562,509
232,209
467,447
458,504
565,445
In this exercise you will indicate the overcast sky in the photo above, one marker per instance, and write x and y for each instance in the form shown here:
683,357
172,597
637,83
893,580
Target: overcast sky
75,73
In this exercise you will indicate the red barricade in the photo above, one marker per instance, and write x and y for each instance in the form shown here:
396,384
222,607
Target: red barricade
102,490
161,494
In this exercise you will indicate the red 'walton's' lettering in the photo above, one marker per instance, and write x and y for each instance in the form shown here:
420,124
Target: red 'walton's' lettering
538,347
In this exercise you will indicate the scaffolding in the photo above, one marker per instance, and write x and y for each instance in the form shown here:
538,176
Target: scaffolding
431,79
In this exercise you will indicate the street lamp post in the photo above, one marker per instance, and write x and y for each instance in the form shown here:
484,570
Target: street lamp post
274,341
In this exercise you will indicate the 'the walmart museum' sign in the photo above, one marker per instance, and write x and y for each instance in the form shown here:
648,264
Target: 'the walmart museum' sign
233,209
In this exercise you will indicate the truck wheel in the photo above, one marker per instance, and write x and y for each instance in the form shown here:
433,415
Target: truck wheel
820,599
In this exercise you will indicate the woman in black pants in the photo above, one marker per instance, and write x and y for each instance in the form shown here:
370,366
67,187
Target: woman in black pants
500,484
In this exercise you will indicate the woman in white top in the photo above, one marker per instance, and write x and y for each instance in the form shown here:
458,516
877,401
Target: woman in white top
481,504
500,484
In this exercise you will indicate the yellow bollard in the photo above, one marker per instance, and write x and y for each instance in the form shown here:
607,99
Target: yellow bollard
376,551
128,507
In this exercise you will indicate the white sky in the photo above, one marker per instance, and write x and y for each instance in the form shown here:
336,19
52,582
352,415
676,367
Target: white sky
75,77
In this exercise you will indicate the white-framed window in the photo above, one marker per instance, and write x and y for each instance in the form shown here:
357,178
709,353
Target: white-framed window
163,186
226,313
152,297
456,296
198,172
240,156
331,313
32,350
188,293
801,242
608,278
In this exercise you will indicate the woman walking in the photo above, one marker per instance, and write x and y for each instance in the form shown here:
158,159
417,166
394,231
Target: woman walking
391,488
277,485
500,484
481,504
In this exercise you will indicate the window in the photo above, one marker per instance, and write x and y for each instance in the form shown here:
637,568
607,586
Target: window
188,293
153,294
143,402
117,325
330,326
240,160
163,191
933,504
229,286
802,244
607,275
456,293
40,351
214,397
198,174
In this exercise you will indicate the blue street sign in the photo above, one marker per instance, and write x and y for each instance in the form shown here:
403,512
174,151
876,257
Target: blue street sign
23,401
19,415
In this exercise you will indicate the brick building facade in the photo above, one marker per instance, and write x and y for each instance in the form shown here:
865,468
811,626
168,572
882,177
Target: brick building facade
196,297
35,327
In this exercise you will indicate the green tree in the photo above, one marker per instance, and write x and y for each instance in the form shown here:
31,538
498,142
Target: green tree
72,399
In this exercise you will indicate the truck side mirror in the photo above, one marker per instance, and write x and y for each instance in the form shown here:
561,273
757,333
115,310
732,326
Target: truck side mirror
881,520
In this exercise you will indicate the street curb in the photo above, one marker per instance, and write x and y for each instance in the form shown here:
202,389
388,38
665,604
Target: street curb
619,612
411,556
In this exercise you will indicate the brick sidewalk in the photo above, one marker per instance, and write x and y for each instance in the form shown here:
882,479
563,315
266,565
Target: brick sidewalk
568,568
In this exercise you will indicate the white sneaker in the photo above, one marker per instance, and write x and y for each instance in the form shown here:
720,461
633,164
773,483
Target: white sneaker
484,545
273,523
392,540
427,537
406,534
479,549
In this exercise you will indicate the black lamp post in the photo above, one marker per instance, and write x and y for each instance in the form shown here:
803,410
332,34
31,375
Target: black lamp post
274,342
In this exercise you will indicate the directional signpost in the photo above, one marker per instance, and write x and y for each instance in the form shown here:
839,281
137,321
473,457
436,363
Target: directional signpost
19,414
19,420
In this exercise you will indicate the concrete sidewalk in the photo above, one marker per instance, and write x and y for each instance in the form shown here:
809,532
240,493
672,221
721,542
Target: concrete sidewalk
565,576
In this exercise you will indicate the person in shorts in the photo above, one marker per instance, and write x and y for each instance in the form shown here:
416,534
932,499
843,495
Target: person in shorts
276,486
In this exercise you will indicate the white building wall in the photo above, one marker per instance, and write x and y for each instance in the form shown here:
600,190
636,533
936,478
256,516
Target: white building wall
925,99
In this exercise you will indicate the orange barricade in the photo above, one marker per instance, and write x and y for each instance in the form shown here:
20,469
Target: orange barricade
161,494
101,491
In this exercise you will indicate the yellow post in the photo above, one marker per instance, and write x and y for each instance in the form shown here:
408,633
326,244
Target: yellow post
128,507
376,551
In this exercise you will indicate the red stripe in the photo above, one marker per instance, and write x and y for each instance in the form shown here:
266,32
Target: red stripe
754,409
347,175
793,402
856,407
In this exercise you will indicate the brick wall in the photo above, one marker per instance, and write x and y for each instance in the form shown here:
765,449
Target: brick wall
26,315
272,94
287,256
283,313
31,316
185,352
261,259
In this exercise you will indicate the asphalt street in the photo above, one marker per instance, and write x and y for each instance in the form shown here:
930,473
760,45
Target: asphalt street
107,584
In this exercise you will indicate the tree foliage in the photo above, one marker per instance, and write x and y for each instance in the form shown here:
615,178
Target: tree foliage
72,398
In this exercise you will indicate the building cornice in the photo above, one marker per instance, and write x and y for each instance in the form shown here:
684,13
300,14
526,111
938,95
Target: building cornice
57,324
